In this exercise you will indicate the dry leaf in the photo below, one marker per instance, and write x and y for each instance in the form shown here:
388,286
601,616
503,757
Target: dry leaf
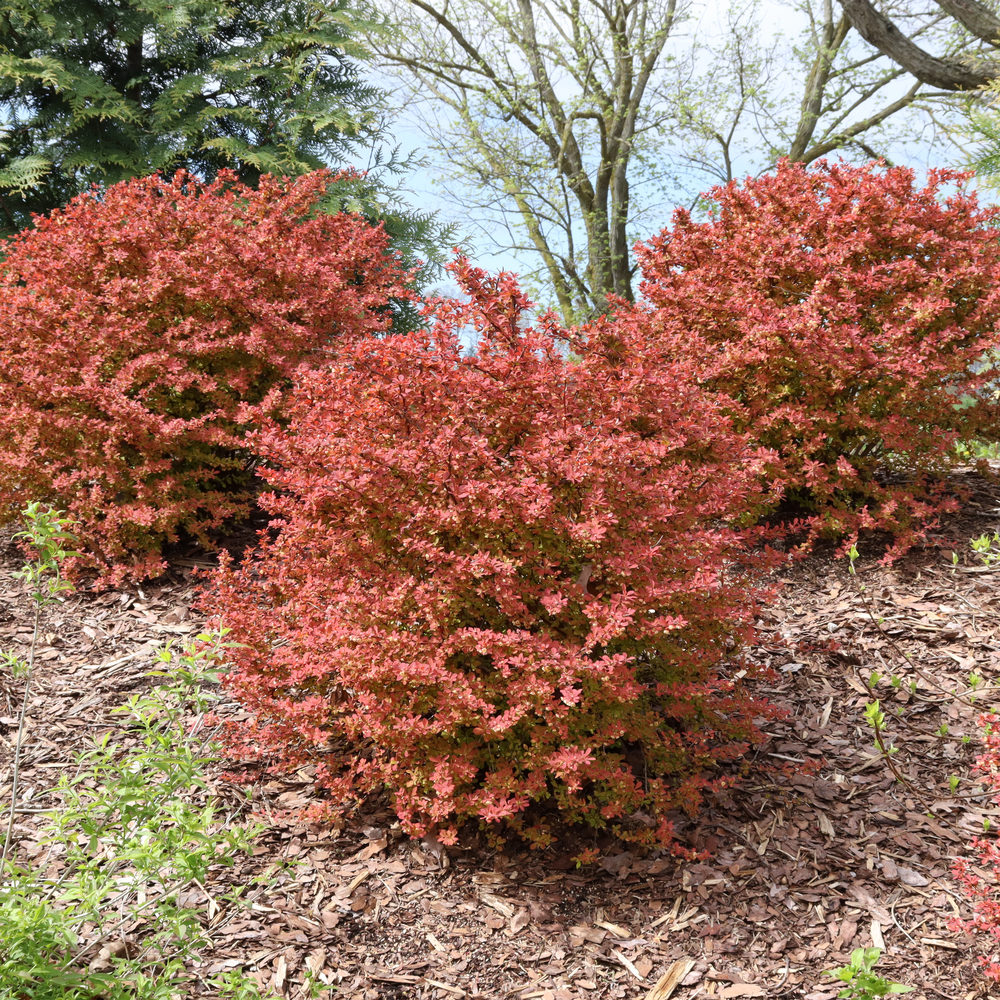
375,847
671,979
909,877
519,921
741,990
871,904
585,933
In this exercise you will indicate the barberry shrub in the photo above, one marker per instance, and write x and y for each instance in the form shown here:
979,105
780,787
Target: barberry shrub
138,322
979,881
500,581
852,317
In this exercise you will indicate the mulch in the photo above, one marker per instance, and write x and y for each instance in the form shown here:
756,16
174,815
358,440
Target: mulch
819,852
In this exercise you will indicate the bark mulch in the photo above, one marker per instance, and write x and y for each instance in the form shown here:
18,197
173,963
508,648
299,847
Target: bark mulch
802,866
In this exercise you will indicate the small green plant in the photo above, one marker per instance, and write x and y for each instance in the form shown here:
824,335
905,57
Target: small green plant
875,718
862,982
953,782
105,908
46,532
987,548
128,841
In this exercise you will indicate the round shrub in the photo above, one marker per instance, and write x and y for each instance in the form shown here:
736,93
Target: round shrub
850,315
498,579
139,321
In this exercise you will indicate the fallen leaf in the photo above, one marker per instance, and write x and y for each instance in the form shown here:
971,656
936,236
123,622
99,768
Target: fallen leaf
741,990
585,933
909,877
871,904
375,847
519,921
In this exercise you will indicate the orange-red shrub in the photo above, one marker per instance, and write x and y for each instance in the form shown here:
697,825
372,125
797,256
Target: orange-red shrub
136,323
846,311
498,578
982,891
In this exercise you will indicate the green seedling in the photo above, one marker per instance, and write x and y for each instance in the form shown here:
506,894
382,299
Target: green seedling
875,718
863,983
132,836
17,666
986,548
852,555
953,783
46,533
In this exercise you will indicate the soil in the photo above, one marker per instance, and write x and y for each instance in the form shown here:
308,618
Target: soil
800,868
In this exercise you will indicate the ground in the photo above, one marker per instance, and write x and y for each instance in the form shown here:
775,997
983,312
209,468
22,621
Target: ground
799,869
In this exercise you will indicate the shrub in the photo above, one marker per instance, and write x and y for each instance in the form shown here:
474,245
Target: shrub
137,322
849,314
498,579
980,886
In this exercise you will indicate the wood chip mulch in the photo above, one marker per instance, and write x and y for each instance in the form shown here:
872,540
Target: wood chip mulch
801,868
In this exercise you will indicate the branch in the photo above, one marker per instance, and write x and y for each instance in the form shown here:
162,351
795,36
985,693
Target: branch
879,31
848,135
975,17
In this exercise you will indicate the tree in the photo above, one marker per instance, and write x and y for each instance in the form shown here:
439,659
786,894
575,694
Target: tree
576,117
97,91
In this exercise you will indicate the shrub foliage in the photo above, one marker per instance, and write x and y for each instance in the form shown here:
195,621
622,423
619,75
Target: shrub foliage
846,312
500,578
136,325
979,881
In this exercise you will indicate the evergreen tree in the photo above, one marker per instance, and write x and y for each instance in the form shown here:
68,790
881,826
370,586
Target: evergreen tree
97,91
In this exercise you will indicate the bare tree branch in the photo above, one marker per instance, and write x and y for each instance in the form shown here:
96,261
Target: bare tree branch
945,74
